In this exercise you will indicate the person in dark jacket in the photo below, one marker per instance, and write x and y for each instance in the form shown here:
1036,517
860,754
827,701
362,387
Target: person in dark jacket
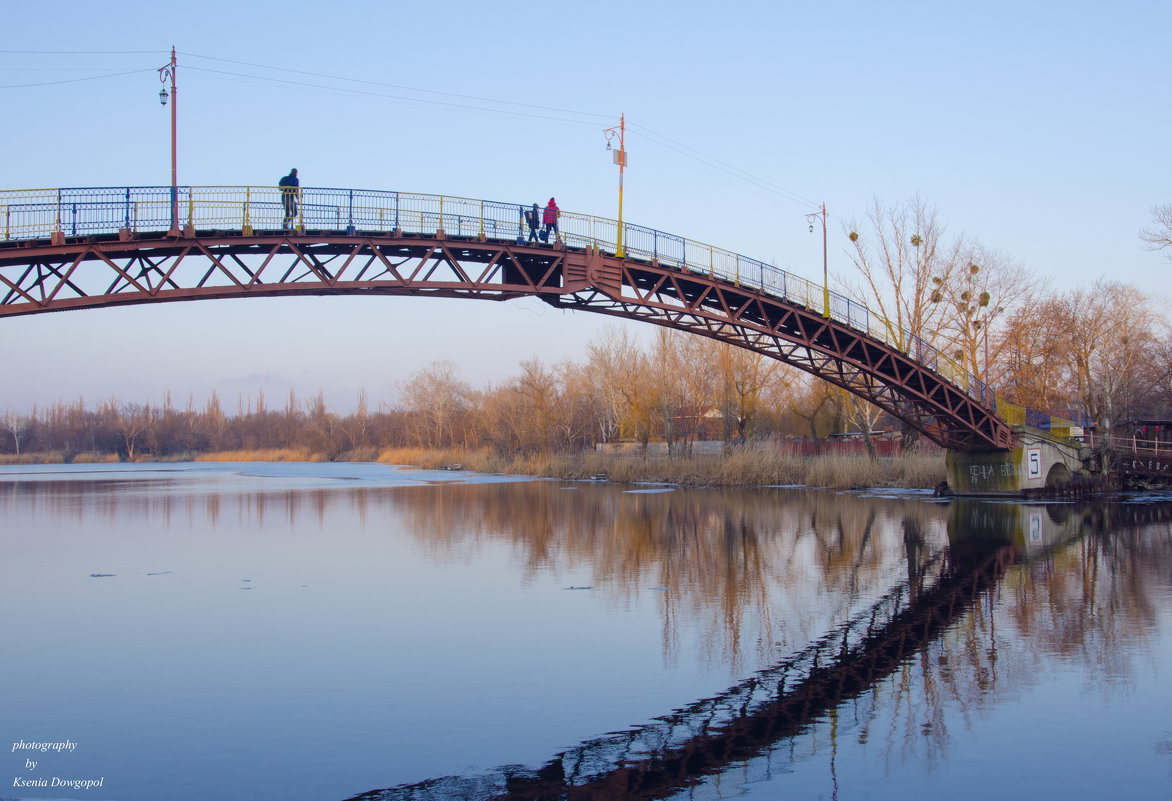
289,186
531,217
550,218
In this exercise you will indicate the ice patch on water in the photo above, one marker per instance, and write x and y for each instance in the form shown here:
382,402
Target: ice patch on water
258,475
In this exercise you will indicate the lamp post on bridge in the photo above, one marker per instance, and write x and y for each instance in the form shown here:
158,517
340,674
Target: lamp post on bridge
810,218
620,158
167,71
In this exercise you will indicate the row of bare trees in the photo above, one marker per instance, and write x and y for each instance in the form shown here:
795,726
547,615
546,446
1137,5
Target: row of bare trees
133,430
1102,353
679,389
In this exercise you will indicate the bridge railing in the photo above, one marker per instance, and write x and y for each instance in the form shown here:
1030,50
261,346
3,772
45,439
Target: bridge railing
91,211
1020,416
1139,445
38,213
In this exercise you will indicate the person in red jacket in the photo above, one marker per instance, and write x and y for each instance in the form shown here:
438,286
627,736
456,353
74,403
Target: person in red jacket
550,220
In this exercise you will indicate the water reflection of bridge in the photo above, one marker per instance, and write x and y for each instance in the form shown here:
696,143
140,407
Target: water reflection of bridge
678,750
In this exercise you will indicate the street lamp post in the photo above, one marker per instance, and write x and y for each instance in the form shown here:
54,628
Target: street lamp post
620,158
985,331
167,71
810,218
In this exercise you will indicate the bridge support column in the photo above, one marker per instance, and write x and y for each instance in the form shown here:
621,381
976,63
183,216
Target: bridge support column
1037,461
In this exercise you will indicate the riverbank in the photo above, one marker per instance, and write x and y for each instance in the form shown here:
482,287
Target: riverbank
741,467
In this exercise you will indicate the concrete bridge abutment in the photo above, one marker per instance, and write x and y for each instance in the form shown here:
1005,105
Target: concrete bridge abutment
1036,462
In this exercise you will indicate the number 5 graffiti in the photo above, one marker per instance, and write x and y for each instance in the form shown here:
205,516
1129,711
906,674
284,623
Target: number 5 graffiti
1033,464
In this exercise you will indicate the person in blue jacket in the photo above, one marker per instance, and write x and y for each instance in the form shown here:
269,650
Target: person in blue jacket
289,186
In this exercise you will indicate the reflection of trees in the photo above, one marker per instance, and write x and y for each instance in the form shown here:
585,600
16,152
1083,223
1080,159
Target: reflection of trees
957,636
749,569
1093,600
1089,602
753,573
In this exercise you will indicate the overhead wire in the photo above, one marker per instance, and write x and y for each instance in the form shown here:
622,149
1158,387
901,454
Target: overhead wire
82,52
388,85
479,104
548,113
723,166
75,53
385,95
72,80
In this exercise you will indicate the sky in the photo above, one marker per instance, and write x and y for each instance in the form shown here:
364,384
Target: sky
1039,128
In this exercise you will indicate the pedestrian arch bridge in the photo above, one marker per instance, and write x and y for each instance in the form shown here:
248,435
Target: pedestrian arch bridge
65,249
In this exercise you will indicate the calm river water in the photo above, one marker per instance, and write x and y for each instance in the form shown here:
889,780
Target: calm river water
320,632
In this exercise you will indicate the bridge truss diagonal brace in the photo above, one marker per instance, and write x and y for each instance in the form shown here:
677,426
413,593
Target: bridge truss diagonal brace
801,337
93,273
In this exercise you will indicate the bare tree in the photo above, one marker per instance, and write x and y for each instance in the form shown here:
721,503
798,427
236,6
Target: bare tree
539,398
621,370
321,426
585,405
1120,343
357,424
1159,235
215,422
1032,359
668,369
435,398
811,401
744,376
863,416
1161,377
978,290
900,261
16,425
698,376
133,419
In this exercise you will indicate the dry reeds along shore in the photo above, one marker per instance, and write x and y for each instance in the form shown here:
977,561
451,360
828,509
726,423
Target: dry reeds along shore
740,467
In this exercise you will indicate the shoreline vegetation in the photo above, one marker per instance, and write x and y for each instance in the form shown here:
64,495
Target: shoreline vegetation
744,466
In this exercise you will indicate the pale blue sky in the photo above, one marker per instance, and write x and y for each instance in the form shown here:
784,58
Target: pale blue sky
1039,128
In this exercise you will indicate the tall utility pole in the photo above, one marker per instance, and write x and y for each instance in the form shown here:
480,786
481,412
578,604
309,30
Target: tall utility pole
620,158
810,218
168,71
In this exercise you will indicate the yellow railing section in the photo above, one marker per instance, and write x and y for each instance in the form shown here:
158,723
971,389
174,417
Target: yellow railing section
1010,413
34,214
1020,416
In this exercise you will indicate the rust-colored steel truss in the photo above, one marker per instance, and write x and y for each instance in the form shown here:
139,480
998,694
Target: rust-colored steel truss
92,272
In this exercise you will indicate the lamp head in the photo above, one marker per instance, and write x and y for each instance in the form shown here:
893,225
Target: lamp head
163,96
